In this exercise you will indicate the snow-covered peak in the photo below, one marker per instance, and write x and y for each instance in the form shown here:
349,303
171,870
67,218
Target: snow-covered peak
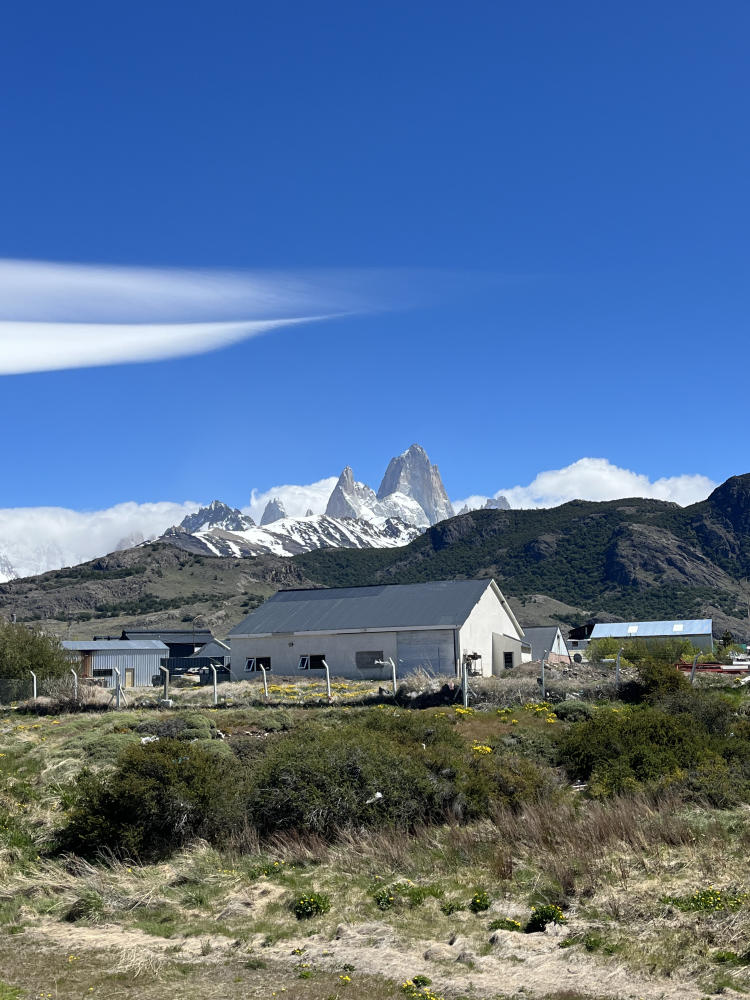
351,499
412,474
216,515
274,511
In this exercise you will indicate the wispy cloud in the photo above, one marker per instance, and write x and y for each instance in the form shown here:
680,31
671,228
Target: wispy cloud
598,479
56,316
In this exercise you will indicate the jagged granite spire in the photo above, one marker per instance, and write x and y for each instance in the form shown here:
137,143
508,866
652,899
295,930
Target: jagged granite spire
349,496
412,474
275,511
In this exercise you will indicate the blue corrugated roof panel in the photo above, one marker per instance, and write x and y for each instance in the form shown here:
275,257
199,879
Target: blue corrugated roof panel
653,630
445,604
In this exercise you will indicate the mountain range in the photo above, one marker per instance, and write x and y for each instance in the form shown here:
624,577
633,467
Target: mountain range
617,559
411,497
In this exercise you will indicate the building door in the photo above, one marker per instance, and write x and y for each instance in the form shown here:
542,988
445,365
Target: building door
428,650
507,660
129,677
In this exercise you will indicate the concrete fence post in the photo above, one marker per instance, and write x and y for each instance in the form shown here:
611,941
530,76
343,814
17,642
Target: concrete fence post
118,689
165,671
75,684
265,681
33,681
393,675
465,683
694,668
543,679
617,667
328,680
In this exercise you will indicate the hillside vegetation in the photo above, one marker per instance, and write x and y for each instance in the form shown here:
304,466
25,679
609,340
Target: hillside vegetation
566,850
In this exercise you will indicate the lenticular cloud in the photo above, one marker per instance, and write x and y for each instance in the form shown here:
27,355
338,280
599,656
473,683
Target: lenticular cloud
71,315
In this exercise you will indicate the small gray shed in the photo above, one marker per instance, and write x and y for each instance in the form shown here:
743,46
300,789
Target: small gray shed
138,660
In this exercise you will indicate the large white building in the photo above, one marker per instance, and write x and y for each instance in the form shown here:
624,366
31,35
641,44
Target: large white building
357,629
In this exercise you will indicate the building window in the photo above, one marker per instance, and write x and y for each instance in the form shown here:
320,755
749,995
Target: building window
369,659
102,671
256,662
508,660
574,642
632,629
311,661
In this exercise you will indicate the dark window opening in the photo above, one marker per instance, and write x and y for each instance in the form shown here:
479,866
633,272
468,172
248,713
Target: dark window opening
256,662
508,660
369,659
311,661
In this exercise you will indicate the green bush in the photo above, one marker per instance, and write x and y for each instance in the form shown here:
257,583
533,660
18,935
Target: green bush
574,711
541,916
311,904
505,924
479,902
322,780
22,649
159,797
619,749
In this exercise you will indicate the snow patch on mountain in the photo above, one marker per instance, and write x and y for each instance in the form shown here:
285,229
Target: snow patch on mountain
290,536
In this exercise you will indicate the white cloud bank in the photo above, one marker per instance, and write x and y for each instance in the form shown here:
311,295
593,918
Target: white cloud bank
597,479
297,500
37,539
55,316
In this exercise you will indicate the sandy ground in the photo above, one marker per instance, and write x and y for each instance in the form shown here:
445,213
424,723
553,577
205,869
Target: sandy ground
531,963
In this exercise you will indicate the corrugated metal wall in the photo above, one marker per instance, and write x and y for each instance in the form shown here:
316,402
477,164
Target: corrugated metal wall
144,664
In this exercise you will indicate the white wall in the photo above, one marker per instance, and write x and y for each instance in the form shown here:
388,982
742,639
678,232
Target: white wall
489,630
339,650
432,649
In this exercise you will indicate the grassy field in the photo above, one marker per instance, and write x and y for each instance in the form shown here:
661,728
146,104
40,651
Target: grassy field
652,890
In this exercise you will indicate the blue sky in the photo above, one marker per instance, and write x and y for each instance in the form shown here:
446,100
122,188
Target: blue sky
579,170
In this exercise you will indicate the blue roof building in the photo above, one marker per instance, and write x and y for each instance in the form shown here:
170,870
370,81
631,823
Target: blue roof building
699,631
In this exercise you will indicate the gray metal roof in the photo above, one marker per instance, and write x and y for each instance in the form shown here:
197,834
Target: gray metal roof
213,648
446,604
115,645
169,635
542,639
646,630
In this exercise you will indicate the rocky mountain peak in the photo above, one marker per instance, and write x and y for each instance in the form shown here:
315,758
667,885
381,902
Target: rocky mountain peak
732,501
275,511
216,515
349,497
412,474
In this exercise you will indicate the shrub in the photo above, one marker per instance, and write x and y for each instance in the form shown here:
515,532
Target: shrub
22,649
322,780
505,924
384,898
618,749
709,900
573,711
452,906
541,916
158,797
479,902
311,904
